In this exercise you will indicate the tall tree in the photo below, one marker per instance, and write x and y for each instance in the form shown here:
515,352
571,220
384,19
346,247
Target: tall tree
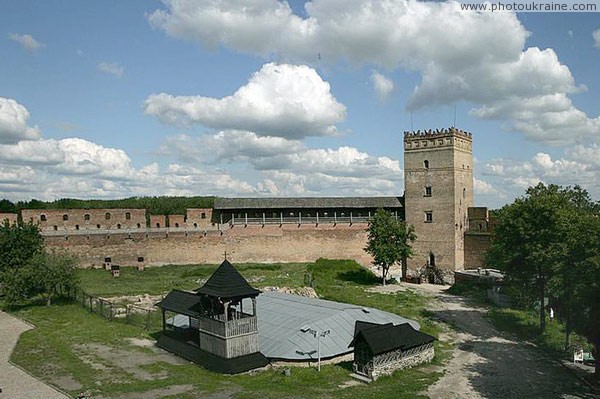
388,241
528,242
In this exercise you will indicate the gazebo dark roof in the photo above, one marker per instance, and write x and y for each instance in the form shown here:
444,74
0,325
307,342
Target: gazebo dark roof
307,203
387,337
182,302
226,282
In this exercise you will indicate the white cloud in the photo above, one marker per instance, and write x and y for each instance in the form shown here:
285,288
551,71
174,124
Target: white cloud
383,85
289,167
482,187
26,41
279,100
596,36
111,68
13,122
476,57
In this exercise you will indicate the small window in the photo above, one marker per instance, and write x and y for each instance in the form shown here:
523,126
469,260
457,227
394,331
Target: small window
139,225
428,217
128,215
158,225
76,227
426,164
176,225
427,191
107,216
86,216
195,225
55,228
464,192
43,218
97,226
118,225
65,217
203,215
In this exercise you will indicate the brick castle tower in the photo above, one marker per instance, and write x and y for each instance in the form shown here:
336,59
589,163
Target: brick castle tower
438,181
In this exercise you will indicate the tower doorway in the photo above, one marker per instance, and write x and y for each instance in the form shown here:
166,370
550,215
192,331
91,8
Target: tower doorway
431,264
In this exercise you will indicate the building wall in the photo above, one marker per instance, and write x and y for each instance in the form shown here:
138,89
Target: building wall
195,219
10,217
271,243
85,219
157,221
176,221
449,173
476,245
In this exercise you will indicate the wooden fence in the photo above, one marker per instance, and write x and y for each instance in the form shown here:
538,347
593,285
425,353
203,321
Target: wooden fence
149,319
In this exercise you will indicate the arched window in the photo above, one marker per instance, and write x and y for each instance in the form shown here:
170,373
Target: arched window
55,228
86,216
158,225
65,217
426,164
139,225
128,215
176,224
97,226
203,215
107,216
43,218
195,225
118,225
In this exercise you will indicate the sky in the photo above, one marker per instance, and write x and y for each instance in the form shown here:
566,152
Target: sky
115,99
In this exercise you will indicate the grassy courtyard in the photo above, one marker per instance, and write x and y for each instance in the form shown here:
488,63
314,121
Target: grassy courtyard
76,350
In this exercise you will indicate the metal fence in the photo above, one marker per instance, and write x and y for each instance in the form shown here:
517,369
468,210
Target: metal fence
149,319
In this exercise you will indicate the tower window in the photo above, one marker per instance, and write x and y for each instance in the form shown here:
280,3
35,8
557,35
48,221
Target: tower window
86,216
107,216
428,217
76,227
203,215
127,215
65,217
427,191
43,218
426,164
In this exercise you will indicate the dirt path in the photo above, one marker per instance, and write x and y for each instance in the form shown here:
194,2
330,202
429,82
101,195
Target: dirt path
15,383
489,364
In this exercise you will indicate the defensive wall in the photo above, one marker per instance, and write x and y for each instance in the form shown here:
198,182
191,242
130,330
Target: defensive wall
251,243
11,218
477,237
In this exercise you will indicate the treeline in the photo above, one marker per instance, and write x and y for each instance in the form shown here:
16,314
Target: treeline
548,243
154,205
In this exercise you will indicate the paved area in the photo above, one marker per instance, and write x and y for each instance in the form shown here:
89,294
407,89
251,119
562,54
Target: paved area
15,383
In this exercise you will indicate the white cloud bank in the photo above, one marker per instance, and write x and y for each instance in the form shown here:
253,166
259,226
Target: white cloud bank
477,57
26,41
13,122
279,100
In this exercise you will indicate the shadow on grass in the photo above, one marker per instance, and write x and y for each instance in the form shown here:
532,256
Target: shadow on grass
359,276
346,366
514,324
37,302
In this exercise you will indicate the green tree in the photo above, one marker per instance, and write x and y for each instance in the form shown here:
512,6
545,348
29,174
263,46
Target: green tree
529,241
388,241
18,244
46,276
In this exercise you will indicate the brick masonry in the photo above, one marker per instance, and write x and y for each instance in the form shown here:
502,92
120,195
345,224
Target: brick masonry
85,219
10,217
271,243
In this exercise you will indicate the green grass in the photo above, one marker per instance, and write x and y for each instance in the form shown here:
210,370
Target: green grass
54,348
525,324
159,280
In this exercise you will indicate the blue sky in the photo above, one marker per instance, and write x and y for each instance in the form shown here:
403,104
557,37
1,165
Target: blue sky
235,98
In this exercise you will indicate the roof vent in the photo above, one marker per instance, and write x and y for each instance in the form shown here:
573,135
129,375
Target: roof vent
366,310
305,328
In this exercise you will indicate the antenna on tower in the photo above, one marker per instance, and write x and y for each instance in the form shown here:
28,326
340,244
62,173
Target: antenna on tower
454,122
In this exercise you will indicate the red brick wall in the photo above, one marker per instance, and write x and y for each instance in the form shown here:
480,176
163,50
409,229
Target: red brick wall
85,219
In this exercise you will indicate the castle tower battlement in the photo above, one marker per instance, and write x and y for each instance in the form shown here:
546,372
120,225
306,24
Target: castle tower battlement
438,182
439,138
